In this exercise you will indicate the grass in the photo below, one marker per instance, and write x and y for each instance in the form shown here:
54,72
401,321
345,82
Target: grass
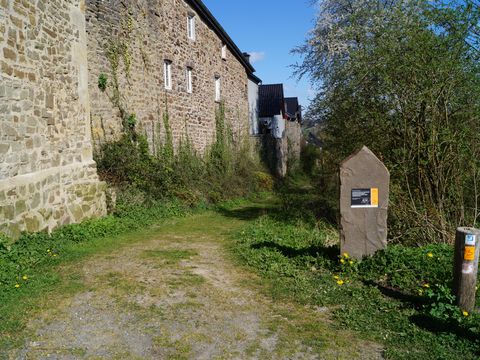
382,298
47,260
42,257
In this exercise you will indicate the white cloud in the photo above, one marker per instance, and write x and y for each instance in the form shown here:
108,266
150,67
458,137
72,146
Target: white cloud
256,56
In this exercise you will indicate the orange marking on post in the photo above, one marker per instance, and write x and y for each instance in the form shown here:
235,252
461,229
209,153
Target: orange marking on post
469,253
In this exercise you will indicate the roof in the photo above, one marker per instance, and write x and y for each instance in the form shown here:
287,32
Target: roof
210,20
271,100
291,106
254,78
293,109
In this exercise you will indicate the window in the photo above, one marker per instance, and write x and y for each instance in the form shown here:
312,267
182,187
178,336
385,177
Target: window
217,88
224,52
191,26
167,73
189,80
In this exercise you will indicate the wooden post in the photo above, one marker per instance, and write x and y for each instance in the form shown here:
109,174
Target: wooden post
466,266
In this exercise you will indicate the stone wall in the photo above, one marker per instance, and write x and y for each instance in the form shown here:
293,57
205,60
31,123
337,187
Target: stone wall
152,31
293,135
47,175
282,153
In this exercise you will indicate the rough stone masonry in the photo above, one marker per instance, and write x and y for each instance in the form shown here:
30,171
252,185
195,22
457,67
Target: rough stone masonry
47,174
53,112
148,33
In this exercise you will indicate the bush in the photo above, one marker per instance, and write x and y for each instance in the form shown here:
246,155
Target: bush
408,269
420,117
264,180
226,170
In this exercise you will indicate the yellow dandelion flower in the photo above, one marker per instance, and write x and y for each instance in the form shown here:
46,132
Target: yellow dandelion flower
340,282
345,255
350,262
430,255
25,277
336,277
17,286
465,313
342,261
426,286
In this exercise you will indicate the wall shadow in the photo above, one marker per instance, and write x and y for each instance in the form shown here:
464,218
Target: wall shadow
248,213
329,253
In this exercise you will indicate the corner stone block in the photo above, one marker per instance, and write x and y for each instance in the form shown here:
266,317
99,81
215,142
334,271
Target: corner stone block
364,196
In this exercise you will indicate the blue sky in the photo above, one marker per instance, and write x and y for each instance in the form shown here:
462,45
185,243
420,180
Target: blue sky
269,29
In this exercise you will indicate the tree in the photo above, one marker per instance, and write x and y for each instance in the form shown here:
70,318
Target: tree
402,77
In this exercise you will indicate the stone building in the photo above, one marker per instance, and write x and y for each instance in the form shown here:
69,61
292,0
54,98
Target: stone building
56,55
47,174
172,56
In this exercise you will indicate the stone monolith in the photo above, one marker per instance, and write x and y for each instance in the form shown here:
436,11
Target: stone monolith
364,193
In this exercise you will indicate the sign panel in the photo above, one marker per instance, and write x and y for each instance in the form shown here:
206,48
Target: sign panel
470,240
364,198
469,254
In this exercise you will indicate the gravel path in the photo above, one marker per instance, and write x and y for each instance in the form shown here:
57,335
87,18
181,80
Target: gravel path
178,295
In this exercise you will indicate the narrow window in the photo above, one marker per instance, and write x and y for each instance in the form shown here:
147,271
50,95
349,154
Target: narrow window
217,88
224,52
167,73
191,26
189,80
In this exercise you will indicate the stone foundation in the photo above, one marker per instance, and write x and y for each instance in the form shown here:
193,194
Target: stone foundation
46,199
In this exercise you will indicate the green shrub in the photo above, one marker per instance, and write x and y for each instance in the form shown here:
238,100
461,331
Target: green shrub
226,170
309,157
409,268
265,180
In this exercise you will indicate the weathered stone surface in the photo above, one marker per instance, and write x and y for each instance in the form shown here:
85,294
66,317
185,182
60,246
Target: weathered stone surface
9,54
363,230
32,224
9,212
48,90
4,148
44,80
158,32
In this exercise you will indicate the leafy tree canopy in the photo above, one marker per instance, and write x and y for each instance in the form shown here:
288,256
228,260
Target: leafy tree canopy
402,77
